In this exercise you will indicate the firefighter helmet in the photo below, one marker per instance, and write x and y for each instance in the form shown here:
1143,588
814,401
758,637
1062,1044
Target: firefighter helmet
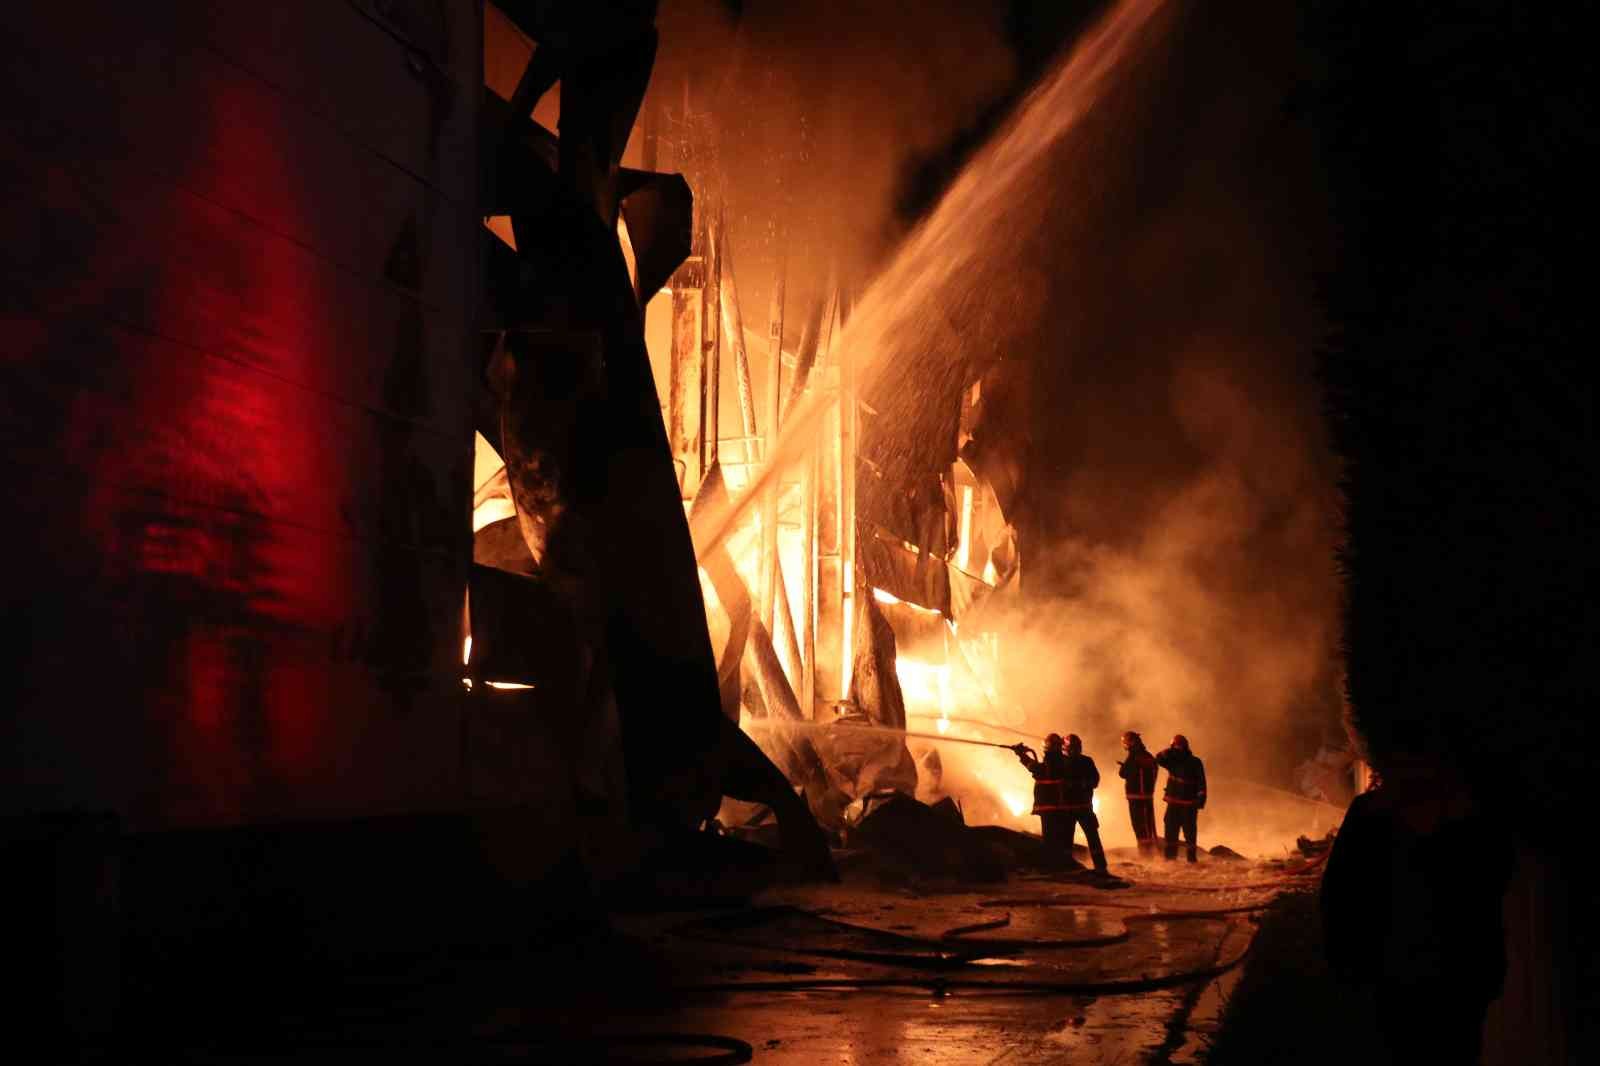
1074,745
1180,742
1131,740
1052,742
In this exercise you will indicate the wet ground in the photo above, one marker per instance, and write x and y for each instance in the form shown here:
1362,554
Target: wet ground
1039,969
886,1026
1032,969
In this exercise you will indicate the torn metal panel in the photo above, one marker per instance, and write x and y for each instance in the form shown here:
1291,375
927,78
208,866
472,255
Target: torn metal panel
888,563
998,438
731,594
551,386
686,411
500,545
794,751
659,211
522,180
589,464
875,688
520,156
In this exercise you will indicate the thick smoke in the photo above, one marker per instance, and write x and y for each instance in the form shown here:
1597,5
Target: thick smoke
813,114
1180,520
1149,254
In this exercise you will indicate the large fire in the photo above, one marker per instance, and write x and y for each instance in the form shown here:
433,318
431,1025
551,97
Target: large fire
989,783
951,686
783,409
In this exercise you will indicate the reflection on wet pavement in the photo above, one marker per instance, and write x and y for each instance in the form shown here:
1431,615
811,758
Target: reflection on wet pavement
1066,972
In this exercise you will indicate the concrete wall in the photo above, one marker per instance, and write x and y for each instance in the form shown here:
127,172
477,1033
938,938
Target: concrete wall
239,245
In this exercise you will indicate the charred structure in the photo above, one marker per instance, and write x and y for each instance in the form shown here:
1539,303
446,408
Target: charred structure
491,475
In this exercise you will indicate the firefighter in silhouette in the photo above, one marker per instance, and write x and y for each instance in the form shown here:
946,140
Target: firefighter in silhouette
1185,795
1063,794
1138,772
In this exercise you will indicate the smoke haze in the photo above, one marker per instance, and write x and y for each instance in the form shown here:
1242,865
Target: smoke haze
1152,263
817,112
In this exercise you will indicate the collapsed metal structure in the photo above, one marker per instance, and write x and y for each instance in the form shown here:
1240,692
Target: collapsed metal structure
891,528
591,586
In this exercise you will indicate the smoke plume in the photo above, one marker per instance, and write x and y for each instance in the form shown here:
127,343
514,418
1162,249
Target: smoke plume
1143,237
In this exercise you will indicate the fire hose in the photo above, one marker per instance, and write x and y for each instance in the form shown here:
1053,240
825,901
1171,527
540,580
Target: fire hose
855,727
942,983
850,727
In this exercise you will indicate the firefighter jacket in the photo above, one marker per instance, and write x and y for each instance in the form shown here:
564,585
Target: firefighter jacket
1186,778
1064,782
1138,772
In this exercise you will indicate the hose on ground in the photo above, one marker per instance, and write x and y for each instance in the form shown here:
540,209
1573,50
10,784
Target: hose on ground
943,983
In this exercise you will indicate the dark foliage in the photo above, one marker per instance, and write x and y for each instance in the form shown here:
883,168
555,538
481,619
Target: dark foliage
1451,135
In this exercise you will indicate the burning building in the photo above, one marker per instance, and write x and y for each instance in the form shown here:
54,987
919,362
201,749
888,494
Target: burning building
819,570
255,320
385,433
466,452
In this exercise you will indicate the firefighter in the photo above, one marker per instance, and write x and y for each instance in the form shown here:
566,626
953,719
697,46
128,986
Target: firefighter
1138,773
1063,794
1185,794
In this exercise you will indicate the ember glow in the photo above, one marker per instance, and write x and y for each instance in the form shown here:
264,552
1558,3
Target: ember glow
492,510
991,785
926,685
890,598
1173,606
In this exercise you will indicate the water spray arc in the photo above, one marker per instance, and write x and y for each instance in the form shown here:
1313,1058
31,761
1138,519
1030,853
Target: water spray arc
904,315
970,285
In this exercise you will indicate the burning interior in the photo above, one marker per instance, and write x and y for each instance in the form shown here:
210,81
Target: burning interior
849,424
848,585
494,472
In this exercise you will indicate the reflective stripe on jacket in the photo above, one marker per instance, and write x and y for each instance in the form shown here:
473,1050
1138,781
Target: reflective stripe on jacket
1138,772
1050,794
1064,783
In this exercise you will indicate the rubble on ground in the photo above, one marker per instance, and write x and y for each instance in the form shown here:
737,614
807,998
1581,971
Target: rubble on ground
1310,847
891,839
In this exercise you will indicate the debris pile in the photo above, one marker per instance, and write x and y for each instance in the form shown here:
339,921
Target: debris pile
1312,848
